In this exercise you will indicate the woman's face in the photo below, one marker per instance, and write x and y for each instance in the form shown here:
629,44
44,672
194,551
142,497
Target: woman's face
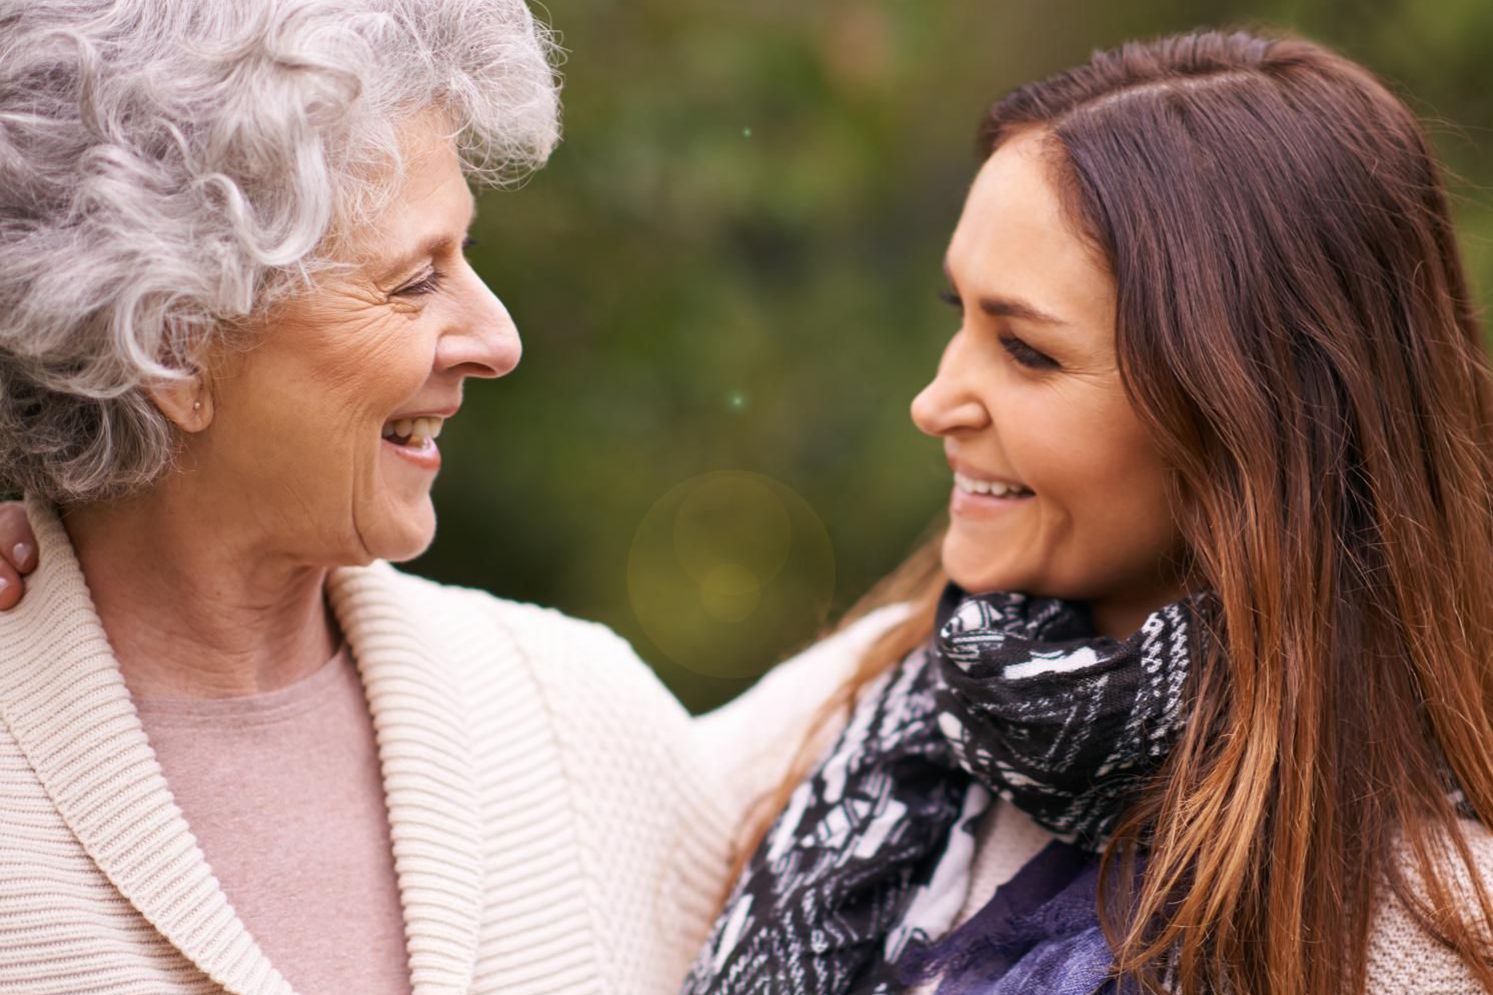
299,447
1058,490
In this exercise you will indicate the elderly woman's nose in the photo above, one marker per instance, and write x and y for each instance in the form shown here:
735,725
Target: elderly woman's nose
486,343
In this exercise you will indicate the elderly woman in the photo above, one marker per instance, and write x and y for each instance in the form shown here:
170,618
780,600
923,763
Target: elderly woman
237,752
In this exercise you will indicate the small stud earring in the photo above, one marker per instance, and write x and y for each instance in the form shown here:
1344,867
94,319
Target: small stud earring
196,405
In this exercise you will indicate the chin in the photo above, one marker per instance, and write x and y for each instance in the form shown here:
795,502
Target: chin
977,573
399,537
407,551
974,574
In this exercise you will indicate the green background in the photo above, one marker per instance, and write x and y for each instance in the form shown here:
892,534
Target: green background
726,279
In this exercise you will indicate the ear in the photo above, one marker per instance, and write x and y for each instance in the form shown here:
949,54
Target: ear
187,404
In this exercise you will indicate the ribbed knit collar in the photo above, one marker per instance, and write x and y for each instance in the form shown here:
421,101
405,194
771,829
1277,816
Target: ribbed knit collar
66,704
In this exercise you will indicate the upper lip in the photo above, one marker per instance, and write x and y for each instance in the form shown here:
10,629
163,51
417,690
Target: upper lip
965,470
441,413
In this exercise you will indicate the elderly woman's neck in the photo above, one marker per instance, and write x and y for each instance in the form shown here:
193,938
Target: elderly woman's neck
194,609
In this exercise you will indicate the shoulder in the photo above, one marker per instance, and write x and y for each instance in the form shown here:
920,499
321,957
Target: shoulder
1403,956
478,631
451,604
546,692
595,697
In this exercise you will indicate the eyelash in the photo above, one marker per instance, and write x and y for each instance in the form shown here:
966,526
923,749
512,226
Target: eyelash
431,282
427,284
1026,355
1019,351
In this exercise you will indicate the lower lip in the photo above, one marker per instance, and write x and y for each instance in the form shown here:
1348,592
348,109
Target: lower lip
427,456
969,505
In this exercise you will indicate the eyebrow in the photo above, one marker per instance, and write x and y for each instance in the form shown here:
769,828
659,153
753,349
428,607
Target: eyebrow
433,245
1010,307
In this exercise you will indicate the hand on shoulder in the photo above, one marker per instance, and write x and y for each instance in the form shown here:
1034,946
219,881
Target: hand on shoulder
18,555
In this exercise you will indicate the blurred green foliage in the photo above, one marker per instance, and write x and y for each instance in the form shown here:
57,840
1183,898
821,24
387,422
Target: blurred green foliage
731,264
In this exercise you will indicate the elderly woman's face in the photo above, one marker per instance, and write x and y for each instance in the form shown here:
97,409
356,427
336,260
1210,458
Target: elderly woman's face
323,434
1058,490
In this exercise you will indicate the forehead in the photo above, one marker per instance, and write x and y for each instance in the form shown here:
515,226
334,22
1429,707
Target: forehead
429,198
1015,238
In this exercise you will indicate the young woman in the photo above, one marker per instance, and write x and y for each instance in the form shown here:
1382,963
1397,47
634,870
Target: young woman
1199,697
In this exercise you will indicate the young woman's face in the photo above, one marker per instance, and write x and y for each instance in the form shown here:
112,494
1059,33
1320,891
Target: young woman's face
1058,490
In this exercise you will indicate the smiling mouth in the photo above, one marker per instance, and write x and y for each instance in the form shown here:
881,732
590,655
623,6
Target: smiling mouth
413,433
990,488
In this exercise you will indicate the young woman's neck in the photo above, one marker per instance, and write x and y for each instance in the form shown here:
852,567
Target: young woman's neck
1119,618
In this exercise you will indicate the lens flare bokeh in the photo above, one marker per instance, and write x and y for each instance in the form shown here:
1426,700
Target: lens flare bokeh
727,568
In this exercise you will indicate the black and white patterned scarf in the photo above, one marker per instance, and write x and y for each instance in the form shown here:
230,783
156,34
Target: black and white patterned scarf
1015,697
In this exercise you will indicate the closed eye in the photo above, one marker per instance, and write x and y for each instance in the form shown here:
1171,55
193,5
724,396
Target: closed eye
431,280
427,284
1025,355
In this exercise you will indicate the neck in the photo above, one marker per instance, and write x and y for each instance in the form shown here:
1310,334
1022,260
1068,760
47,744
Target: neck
1118,621
1120,618
194,609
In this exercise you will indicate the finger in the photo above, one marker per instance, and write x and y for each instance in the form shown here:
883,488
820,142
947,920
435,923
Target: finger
17,541
10,586
23,556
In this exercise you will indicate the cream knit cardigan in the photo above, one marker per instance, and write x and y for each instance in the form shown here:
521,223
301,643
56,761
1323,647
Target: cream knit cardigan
553,827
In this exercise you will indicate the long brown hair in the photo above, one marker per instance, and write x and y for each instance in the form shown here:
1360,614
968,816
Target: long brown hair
1295,328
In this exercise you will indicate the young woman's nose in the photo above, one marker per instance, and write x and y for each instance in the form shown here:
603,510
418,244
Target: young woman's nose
948,404
485,343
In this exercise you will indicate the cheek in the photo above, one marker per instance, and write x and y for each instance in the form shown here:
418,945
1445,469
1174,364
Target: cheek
1120,502
371,374
317,396
1101,519
1107,489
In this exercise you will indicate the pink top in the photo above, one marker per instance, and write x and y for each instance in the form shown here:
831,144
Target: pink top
284,795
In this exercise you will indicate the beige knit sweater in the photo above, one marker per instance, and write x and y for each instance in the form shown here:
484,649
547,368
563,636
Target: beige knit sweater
554,830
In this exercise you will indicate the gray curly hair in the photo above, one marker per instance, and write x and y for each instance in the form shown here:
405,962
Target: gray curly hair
169,168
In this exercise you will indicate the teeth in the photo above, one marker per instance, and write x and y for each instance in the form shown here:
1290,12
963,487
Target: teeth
995,488
416,430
